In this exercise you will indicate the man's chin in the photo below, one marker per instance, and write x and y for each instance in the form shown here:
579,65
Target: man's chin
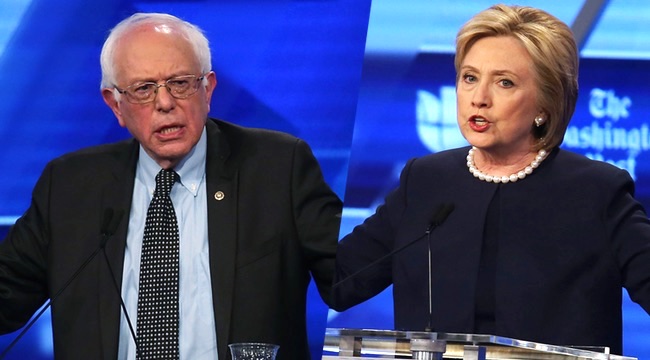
169,159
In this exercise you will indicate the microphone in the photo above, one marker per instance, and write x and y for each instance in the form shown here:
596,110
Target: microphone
111,221
107,235
440,215
443,212
109,225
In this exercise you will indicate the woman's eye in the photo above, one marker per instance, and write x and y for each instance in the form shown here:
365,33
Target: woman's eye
469,78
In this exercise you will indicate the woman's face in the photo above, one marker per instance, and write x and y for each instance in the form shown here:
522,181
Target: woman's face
497,96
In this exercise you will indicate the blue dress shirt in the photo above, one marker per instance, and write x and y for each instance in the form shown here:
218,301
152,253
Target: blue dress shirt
198,338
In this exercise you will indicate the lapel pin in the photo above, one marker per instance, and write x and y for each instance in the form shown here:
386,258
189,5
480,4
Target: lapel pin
219,195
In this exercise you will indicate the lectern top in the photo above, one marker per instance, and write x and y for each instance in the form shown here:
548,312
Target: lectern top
369,342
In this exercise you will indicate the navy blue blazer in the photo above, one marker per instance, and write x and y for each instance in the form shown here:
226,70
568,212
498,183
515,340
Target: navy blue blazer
275,228
570,237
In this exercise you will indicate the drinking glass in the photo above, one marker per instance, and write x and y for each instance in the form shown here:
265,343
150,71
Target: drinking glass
253,351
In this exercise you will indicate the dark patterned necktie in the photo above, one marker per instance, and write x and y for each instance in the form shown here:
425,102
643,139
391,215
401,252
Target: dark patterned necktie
157,324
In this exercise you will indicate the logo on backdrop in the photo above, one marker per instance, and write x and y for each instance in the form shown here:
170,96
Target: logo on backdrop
436,122
605,136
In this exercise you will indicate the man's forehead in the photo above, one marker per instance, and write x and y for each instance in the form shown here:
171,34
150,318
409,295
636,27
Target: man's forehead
151,28
154,53
147,37
163,28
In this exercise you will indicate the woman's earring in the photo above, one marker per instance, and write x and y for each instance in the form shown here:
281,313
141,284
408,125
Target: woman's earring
539,121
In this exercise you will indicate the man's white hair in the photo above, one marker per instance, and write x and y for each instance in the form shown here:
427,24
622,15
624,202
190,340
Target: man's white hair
191,32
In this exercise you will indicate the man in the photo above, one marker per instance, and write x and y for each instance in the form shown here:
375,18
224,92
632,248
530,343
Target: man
252,217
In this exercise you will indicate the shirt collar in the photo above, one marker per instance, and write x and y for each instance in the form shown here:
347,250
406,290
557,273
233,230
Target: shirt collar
191,168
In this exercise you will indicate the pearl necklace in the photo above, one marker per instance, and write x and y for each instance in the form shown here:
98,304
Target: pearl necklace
541,155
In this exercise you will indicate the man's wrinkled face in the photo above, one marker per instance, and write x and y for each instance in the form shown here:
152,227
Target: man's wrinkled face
167,128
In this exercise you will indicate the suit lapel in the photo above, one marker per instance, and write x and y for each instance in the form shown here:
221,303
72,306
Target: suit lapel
221,181
221,187
117,195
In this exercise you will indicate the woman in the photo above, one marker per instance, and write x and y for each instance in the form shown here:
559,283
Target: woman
541,240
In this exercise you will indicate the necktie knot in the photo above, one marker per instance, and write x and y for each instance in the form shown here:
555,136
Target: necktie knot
164,181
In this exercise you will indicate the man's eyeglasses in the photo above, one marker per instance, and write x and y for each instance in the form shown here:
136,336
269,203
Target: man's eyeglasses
180,87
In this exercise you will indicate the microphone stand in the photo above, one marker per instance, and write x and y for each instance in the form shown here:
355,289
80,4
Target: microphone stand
428,328
123,306
111,221
49,302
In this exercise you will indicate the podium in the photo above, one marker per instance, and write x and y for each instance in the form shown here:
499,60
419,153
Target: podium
353,344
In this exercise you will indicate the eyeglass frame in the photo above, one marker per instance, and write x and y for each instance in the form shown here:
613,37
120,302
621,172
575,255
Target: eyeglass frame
130,98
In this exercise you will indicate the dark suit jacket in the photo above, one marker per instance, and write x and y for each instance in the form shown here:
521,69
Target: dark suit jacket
570,236
277,222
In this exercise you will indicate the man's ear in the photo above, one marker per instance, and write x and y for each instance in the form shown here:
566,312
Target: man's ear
109,98
211,78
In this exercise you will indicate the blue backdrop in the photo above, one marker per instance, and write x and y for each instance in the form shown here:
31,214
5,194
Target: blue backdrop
407,108
293,66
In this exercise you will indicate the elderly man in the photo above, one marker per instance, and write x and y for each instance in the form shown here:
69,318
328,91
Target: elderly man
208,232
